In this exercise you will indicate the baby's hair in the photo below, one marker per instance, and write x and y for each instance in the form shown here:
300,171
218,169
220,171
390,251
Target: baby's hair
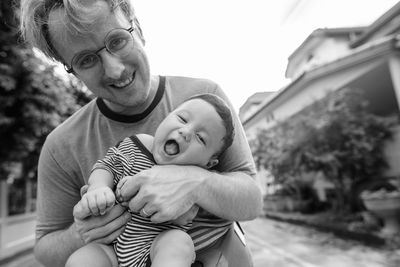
223,110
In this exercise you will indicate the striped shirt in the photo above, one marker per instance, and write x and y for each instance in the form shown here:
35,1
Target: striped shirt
132,247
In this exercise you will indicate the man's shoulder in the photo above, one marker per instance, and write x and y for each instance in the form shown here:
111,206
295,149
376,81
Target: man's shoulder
72,127
180,88
191,84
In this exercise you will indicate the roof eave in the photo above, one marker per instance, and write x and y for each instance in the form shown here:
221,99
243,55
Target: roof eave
360,55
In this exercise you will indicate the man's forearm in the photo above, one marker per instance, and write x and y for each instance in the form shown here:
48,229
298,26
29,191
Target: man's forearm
53,249
234,196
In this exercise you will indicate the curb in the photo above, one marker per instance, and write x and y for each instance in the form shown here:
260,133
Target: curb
15,256
365,238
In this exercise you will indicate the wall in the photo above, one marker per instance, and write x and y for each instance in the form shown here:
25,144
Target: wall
17,232
392,152
302,94
327,50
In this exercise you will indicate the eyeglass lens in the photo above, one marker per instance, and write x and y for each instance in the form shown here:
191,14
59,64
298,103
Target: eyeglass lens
117,42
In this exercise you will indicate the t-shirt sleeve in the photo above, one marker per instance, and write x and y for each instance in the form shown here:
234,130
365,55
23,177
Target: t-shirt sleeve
113,161
57,194
238,156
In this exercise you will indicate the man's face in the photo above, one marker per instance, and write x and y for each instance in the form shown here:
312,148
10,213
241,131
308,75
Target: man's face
123,82
190,135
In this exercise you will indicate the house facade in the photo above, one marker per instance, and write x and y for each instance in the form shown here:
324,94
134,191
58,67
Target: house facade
331,59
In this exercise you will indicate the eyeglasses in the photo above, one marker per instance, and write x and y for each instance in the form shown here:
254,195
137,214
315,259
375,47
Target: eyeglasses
118,42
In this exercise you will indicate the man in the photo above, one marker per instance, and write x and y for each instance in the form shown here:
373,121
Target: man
101,43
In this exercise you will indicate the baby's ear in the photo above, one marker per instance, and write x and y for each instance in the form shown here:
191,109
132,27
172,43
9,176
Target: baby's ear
212,163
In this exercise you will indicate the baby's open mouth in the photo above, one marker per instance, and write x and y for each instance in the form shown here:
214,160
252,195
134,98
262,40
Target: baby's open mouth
171,147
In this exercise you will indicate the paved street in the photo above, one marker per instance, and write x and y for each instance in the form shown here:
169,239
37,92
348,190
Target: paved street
280,244
26,260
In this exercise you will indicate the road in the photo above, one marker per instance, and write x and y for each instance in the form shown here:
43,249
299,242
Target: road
280,244
275,243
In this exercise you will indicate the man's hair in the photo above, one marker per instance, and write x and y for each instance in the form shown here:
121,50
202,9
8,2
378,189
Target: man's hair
223,110
79,17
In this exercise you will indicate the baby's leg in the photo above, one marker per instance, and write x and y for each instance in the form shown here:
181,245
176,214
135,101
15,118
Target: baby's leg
93,254
172,248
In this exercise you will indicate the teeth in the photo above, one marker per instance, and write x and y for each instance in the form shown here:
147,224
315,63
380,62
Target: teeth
124,83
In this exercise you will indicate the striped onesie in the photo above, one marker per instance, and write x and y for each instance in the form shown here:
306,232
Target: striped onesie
132,247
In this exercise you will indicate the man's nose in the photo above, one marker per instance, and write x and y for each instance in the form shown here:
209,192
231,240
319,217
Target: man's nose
113,66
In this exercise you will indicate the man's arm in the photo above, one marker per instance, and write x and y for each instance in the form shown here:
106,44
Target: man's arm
234,196
169,191
230,193
53,249
59,232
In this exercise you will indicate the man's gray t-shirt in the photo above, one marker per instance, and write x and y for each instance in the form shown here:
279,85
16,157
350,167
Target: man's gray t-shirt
70,151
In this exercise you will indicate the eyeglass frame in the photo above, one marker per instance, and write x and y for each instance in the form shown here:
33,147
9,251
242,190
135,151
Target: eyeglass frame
69,69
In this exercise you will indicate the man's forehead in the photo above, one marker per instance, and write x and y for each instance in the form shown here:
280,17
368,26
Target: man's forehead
72,37
61,26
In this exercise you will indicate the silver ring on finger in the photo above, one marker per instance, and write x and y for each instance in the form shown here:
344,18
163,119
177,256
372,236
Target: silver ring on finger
145,213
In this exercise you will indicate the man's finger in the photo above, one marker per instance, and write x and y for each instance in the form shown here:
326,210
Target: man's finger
158,217
111,237
138,202
81,211
102,233
129,189
84,189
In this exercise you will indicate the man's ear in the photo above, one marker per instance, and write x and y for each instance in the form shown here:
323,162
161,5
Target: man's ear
212,163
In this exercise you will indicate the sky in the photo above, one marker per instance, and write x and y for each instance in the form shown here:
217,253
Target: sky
243,45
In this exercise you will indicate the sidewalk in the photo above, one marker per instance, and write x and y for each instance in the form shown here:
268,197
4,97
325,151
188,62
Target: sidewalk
23,259
322,222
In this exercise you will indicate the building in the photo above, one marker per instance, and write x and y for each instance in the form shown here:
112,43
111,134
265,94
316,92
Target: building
252,103
331,59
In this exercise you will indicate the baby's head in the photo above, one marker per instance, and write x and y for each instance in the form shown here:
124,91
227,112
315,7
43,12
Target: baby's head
195,133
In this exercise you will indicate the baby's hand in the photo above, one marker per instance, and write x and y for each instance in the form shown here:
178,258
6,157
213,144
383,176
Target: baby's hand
98,200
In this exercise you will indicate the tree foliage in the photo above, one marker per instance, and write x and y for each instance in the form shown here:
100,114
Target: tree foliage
34,99
337,135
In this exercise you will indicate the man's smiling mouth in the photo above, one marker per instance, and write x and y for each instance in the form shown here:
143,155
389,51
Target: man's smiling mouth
122,84
171,148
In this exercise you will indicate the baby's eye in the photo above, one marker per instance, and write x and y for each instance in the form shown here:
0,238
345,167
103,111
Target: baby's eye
201,139
181,118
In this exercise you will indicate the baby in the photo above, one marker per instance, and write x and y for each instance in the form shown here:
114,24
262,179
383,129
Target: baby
195,133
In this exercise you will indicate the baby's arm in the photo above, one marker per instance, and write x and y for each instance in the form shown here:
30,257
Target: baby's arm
125,183
99,196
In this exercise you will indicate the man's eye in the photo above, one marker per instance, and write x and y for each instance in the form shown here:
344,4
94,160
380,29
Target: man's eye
116,44
87,61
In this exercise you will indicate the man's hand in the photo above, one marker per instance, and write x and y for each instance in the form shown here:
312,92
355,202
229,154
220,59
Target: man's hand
187,217
101,229
127,185
164,192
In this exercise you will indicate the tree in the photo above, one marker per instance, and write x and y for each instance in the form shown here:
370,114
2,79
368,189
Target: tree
337,135
34,99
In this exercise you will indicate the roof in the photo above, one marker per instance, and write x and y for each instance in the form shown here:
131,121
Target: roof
327,32
361,54
376,25
255,99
